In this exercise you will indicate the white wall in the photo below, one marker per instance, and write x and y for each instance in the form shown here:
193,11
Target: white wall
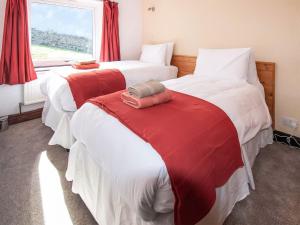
130,22
270,27
131,28
10,96
2,11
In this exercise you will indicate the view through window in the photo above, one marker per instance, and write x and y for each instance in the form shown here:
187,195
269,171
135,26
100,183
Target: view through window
61,32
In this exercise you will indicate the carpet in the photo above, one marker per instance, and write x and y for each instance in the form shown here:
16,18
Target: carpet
276,200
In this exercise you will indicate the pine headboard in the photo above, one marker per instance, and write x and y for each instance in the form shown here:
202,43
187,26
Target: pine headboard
266,73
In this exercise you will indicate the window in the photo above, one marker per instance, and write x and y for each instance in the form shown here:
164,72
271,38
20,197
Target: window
63,31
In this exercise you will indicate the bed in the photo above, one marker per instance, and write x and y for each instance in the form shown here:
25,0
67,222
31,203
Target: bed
106,178
60,105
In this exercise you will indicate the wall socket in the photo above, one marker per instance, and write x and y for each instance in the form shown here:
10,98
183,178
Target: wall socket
289,122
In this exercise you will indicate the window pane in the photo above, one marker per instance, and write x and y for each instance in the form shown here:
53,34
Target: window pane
60,32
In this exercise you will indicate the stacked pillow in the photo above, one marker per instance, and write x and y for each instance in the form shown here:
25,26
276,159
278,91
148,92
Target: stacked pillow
160,54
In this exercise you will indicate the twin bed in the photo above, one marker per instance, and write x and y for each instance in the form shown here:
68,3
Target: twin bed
60,105
123,179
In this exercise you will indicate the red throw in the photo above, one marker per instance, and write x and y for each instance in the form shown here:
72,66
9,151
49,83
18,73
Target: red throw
95,83
197,141
16,66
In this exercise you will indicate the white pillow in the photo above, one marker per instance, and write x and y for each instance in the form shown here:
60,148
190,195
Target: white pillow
169,54
155,54
223,63
252,74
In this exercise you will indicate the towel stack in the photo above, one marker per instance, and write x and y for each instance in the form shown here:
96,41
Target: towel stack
85,65
146,95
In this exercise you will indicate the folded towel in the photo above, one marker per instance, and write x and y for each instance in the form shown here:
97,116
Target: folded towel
140,103
85,67
85,62
146,89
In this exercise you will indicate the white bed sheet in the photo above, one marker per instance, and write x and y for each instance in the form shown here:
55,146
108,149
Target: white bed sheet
140,176
59,94
108,207
60,105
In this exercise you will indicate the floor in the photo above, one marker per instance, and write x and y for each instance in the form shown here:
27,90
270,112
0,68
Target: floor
276,200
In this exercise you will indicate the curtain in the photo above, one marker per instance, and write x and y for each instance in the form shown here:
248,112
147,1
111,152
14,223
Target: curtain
110,48
16,66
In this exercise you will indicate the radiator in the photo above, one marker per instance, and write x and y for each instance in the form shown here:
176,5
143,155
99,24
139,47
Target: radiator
32,91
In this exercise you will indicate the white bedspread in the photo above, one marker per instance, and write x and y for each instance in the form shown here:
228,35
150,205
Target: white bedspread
136,170
58,92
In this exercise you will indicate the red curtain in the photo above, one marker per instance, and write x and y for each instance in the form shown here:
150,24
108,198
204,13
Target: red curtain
110,48
16,65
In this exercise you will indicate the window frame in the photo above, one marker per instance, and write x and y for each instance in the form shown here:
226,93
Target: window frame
95,6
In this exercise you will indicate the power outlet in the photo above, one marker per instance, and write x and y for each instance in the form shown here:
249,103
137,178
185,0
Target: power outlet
289,122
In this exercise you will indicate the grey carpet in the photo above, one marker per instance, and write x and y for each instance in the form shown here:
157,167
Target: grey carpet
276,200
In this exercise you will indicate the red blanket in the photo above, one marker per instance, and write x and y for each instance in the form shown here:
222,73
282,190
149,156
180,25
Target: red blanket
87,85
197,141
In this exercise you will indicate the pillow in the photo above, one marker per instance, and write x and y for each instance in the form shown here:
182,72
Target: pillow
223,63
169,54
252,74
155,54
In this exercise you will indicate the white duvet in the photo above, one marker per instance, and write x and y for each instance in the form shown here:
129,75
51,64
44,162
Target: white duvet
59,95
136,170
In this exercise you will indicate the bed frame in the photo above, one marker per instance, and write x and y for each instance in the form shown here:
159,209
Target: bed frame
266,73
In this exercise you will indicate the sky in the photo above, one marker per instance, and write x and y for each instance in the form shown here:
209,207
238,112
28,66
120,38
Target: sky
63,20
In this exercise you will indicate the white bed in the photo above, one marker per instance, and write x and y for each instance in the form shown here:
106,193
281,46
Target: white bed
123,180
108,208
60,105
102,174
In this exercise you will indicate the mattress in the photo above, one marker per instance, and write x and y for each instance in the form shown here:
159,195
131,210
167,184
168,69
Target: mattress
59,95
92,183
130,163
60,105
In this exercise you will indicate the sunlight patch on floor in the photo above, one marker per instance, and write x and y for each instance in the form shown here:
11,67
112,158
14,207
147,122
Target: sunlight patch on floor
54,207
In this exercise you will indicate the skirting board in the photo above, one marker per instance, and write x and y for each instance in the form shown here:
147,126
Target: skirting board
25,116
286,139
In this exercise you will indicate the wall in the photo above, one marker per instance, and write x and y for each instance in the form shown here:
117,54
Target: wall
271,27
2,11
131,28
130,19
10,96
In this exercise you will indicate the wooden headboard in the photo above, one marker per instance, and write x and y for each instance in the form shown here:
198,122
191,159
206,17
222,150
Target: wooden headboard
266,73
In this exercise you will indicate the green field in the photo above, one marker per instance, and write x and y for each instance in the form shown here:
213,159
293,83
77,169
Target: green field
40,52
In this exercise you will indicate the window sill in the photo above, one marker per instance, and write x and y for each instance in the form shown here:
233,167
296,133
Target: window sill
47,64
41,70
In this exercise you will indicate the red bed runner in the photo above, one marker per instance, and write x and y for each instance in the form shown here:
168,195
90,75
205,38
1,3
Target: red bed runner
197,141
91,84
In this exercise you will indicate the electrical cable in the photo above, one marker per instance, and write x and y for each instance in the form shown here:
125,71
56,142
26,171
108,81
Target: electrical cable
289,140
